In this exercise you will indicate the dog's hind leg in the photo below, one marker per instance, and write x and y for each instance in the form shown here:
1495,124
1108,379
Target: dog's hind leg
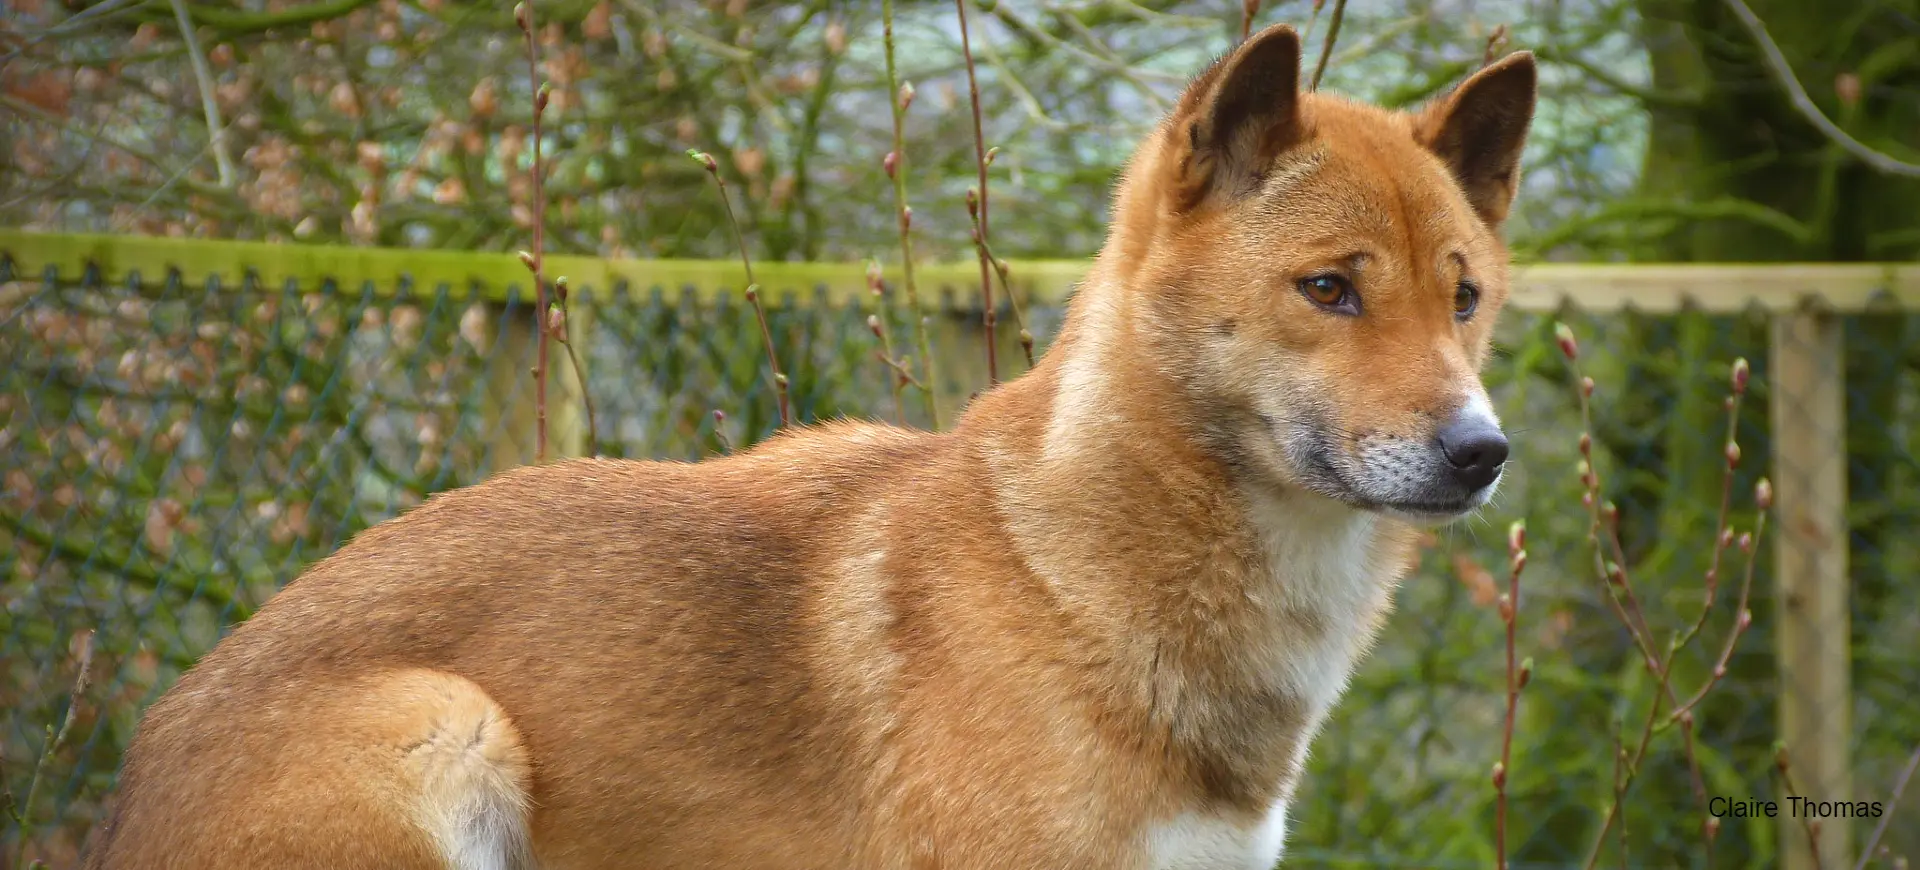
467,768
395,770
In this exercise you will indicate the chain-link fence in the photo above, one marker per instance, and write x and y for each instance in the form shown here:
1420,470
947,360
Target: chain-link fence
176,446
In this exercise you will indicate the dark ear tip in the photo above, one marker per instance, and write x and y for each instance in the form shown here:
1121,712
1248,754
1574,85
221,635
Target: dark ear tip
1519,63
1274,36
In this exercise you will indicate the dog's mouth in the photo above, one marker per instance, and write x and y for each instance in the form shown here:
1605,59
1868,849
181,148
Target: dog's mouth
1430,512
1402,478
1398,489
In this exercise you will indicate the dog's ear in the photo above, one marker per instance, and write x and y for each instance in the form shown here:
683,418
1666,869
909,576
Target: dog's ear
1480,130
1238,116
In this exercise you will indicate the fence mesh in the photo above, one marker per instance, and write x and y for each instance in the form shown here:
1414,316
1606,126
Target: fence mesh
175,449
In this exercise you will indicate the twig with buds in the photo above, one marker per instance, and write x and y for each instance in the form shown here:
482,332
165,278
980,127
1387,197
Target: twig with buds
1604,535
535,259
981,160
899,372
1495,41
720,430
753,290
901,98
557,319
1001,268
1517,679
23,815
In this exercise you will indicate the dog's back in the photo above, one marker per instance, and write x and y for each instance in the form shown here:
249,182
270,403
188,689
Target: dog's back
344,725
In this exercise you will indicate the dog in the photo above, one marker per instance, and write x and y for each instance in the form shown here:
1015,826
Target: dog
1094,625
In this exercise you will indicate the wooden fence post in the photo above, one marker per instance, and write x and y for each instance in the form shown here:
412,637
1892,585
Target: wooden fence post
1812,583
508,419
511,416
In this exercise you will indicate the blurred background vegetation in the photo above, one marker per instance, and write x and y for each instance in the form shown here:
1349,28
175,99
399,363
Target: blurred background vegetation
173,450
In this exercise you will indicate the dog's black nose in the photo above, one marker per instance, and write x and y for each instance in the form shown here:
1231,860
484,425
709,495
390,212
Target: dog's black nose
1475,449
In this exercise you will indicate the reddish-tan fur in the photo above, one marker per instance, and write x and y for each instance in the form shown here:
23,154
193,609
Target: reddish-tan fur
1094,626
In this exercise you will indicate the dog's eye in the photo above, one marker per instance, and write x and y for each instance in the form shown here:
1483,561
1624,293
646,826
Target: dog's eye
1466,298
1333,292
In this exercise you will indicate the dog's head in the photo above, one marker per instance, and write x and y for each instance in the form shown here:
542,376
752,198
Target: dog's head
1322,277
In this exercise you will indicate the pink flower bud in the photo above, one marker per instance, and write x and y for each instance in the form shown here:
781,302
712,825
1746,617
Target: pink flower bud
973,201
906,217
526,259
541,97
556,321
1499,775
1763,494
992,153
1564,335
560,288
1526,673
1712,827
1740,373
873,324
873,276
1519,561
520,15
1733,454
906,95
891,163
1746,542
752,294
1586,387
1586,444
719,416
1517,536
1506,607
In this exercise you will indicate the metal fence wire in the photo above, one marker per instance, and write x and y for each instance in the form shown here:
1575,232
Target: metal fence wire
174,448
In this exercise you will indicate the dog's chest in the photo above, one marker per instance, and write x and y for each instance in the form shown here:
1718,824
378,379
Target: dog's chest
1317,611
1198,841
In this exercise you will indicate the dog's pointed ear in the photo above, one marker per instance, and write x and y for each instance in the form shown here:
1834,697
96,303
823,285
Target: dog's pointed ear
1480,129
1235,118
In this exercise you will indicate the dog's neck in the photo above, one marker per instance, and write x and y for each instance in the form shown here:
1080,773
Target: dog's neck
1108,488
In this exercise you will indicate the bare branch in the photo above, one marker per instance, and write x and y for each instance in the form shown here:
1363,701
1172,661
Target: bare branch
899,98
753,289
977,201
216,131
1777,64
1893,800
1326,49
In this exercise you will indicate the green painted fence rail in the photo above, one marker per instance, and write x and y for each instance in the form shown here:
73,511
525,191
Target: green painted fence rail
1536,287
